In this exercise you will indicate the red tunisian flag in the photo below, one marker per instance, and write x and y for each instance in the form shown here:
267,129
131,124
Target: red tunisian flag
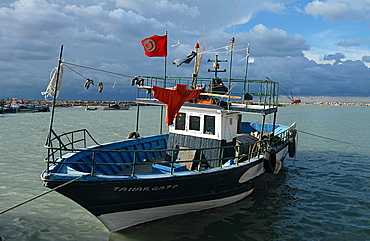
155,46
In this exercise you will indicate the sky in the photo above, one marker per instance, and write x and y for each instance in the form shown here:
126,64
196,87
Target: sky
311,47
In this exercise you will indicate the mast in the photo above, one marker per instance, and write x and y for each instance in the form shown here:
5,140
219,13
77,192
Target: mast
198,58
216,66
195,73
55,96
232,42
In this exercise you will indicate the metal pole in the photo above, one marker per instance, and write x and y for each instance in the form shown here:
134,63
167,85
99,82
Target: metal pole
232,41
55,96
161,121
246,72
165,66
137,117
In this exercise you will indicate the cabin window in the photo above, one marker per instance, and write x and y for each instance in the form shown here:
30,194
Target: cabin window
194,123
209,125
180,121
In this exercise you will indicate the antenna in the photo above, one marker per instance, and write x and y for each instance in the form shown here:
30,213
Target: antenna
232,41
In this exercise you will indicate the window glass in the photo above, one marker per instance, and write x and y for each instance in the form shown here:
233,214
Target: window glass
209,125
180,121
194,123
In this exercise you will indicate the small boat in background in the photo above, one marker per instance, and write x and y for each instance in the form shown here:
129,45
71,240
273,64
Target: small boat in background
25,108
7,110
116,107
22,106
91,108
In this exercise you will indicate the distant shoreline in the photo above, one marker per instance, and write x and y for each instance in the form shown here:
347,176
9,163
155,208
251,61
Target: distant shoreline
325,103
98,103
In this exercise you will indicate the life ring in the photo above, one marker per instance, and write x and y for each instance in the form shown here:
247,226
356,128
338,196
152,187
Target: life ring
269,160
292,147
133,134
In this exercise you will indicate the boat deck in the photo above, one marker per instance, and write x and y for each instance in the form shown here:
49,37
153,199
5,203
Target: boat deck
251,108
242,95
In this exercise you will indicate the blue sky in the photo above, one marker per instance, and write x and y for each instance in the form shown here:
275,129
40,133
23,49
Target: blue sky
312,47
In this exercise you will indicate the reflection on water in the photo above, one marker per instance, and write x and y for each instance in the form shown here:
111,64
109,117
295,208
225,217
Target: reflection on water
322,195
248,219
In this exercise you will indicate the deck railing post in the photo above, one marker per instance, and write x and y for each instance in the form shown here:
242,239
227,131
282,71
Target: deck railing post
137,117
93,163
222,157
200,159
172,161
134,164
161,121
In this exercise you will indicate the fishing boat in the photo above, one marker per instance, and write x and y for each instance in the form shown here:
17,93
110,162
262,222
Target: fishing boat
27,109
19,106
88,108
116,107
211,156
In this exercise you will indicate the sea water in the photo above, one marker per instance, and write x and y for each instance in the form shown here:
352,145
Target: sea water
322,194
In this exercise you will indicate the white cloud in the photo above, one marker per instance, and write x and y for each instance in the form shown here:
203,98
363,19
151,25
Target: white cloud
348,43
275,42
161,7
106,34
366,58
340,10
274,7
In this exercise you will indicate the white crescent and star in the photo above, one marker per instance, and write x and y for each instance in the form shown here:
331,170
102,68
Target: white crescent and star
149,45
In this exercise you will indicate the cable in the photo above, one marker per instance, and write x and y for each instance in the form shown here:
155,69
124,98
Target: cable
42,194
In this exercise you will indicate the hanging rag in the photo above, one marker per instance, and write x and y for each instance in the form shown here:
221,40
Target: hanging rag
88,82
138,81
174,99
100,84
52,87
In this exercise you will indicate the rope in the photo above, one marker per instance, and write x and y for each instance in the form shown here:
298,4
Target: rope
323,137
75,72
104,71
106,82
42,194
50,90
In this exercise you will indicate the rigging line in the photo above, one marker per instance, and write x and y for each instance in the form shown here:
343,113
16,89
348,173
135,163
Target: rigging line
323,137
75,71
235,8
213,51
106,82
42,194
104,71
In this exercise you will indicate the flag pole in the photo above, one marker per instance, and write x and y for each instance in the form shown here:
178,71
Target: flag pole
165,63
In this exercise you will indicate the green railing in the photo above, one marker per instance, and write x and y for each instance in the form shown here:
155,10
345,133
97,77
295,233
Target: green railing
67,143
263,92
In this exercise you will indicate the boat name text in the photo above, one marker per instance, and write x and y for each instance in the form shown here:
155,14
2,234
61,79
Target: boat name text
144,189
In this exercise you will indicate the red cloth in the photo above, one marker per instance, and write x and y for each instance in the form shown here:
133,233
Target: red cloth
155,46
174,99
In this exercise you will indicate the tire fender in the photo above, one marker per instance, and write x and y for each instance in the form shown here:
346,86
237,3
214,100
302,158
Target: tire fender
292,147
269,160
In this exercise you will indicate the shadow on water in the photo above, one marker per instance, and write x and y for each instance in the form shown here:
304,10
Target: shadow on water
319,196
248,219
